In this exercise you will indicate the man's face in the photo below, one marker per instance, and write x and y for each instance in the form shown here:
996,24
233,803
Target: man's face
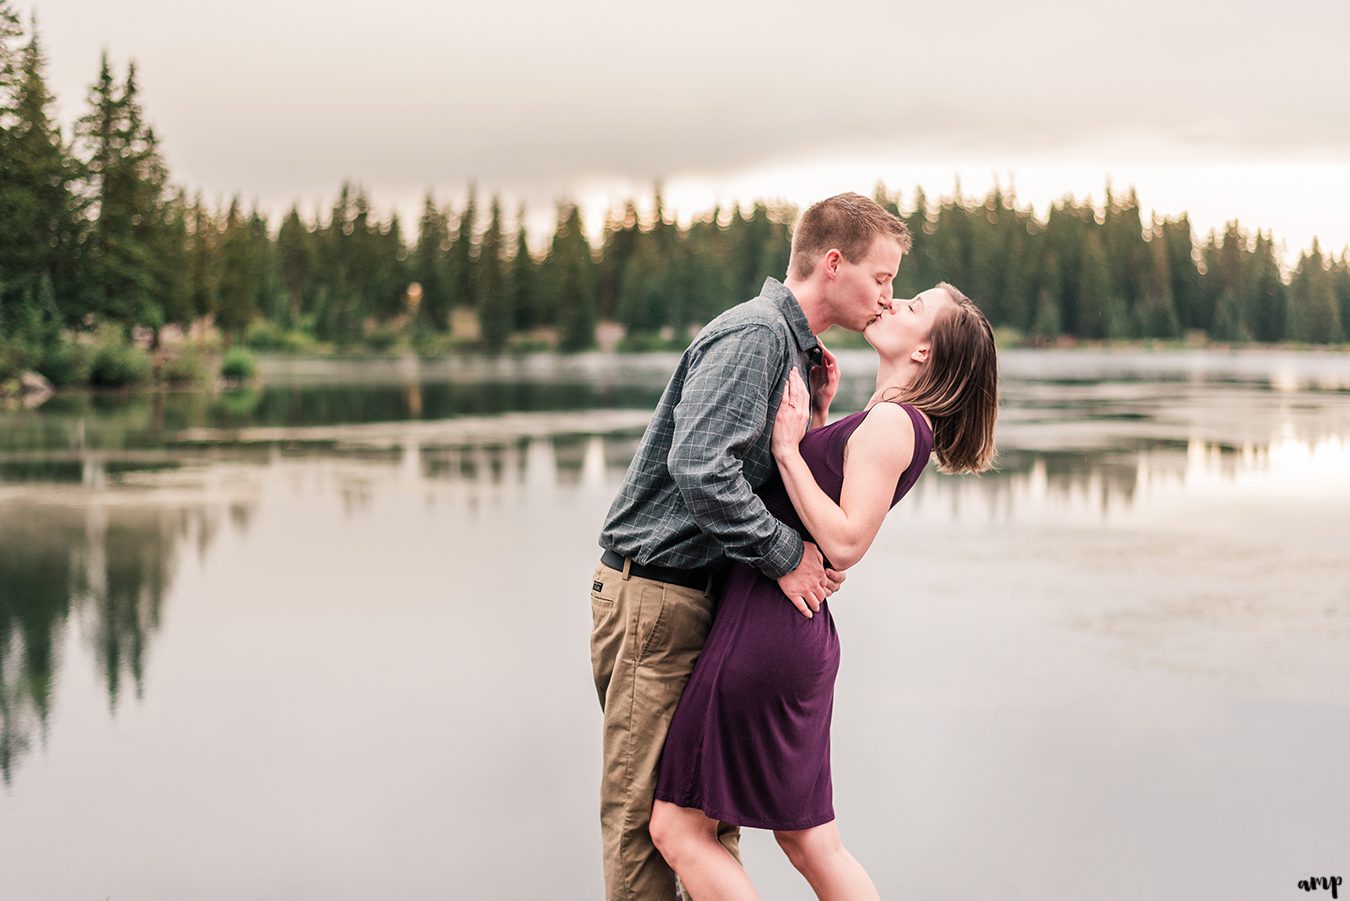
862,289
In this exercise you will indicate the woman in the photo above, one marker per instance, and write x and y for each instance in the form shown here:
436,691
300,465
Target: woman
750,740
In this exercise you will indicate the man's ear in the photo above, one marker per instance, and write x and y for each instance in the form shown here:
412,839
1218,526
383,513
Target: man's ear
832,260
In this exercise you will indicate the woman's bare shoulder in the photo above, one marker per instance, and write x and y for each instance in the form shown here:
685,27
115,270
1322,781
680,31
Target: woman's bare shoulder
886,432
889,419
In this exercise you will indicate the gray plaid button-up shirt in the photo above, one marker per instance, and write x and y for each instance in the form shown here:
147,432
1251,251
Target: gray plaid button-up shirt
688,500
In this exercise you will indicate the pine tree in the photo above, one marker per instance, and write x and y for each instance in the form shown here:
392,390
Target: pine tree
886,200
953,244
1265,301
1126,252
1211,282
203,260
1095,300
361,264
1046,324
618,246
754,254
1065,239
168,243
1314,314
570,278
372,267
1224,284
1228,324
239,275
391,283
337,307
644,290
711,272
1020,243
296,265
495,316
37,221
1157,312
1340,280
1185,277
428,265
125,190
918,271
523,280
463,256
273,302
12,241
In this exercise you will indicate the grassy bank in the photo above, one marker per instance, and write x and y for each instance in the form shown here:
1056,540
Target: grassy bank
107,358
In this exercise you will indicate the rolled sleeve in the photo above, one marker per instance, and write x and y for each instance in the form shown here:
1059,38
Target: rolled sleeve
722,412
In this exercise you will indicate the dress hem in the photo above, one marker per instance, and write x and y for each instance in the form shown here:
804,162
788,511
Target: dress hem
737,820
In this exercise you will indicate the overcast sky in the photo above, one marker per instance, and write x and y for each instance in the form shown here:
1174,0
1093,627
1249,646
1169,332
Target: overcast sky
1225,109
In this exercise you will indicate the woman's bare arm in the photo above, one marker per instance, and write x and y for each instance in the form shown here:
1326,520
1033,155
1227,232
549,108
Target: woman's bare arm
879,450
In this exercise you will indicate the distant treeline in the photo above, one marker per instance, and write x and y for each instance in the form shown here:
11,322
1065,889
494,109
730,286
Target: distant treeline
92,231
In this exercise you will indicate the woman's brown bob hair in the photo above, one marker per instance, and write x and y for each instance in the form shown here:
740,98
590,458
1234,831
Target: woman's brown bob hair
958,387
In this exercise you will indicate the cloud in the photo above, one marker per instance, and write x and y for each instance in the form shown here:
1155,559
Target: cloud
283,99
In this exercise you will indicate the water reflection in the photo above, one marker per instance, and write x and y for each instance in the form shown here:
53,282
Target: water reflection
104,570
109,566
1132,615
74,420
1030,475
1076,448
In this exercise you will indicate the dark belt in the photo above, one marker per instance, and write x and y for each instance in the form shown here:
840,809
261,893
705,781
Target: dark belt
689,578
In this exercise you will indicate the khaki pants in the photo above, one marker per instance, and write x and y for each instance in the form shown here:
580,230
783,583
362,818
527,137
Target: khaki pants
645,637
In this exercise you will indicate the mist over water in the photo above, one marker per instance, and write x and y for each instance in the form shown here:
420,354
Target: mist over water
328,637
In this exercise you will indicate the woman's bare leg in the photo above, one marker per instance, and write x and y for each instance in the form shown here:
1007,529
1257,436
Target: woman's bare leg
688,841
820,856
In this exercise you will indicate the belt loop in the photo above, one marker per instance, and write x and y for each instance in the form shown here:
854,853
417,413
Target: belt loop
627,565
708,592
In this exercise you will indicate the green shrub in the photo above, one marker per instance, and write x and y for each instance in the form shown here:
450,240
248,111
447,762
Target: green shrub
238,405
643,342
15,357
268,336
432,344
531,346
68,363
118,363
382,337
185,368
238,365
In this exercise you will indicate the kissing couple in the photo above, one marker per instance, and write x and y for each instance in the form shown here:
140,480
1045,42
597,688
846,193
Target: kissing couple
713,648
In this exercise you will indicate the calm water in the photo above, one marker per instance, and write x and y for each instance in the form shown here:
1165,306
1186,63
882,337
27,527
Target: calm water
328,638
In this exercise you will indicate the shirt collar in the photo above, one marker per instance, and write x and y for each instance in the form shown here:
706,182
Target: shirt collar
783,299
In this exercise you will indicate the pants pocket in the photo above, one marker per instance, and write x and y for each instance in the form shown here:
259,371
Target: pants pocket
681,625
604,594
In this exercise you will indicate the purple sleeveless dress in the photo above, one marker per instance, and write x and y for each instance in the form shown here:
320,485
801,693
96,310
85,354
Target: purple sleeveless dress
750,739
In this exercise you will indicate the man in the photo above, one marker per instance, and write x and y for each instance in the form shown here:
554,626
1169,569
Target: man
687,506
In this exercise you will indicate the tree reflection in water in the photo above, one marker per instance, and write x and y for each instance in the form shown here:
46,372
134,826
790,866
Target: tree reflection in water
92,559
106,568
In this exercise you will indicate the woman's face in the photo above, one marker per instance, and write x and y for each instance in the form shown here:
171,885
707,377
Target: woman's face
896,333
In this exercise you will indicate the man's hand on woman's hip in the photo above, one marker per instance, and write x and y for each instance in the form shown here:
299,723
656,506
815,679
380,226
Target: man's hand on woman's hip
810,583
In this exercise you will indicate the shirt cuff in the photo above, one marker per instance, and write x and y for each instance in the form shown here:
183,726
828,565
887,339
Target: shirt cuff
784,553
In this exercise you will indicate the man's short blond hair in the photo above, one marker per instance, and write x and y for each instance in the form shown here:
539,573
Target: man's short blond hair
849,223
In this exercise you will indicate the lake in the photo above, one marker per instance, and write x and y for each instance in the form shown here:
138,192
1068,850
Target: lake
328,637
